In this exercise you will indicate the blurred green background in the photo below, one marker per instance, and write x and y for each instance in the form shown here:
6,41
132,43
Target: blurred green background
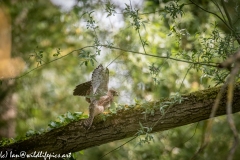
55,28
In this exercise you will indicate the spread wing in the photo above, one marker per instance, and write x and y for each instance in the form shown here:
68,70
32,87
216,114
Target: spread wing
82,89
97,77
103,87
100,78
95,88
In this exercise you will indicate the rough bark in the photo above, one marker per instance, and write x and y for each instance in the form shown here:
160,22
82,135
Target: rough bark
8,110
74,137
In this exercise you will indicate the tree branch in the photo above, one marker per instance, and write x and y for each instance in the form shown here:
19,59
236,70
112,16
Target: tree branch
213,14
210,64
73,137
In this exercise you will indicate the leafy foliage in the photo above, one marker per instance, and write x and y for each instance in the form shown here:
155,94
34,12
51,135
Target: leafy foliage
65,119
173,9
172,47
61,121
86,57
38,56
144,131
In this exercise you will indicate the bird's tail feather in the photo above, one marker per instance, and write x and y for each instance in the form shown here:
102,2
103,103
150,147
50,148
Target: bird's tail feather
88,122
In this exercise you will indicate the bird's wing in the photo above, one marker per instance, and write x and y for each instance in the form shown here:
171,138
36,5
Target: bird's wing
82,89
102,85
95,88
97,77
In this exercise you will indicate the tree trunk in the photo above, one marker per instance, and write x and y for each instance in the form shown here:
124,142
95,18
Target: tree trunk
9,68
7,103
7,110
74,137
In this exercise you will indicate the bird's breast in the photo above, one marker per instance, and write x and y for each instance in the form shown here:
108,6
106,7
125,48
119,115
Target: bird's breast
98,110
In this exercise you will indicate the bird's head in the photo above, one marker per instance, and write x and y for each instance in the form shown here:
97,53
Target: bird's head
113,92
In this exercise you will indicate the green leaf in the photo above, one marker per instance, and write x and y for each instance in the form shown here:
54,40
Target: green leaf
81,152
53,124
70,116
30,133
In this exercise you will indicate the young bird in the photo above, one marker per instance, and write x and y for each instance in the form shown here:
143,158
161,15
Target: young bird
98,106
96,93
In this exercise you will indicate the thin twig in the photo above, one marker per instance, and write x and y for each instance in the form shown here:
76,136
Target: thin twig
216,4
193,133
228,26
212,14
227,14
163,57
141,41
230,22
210,121
138,28
229,111
210,64
114,60
230,83
44,64
184,78
118,147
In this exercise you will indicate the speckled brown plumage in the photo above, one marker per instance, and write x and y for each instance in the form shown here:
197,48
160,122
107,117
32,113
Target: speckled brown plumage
96,93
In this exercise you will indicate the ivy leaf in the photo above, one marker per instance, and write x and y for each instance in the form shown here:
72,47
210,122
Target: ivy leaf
53,124
30,133
70,116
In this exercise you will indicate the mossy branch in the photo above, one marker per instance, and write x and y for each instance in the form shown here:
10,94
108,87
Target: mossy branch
74,137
